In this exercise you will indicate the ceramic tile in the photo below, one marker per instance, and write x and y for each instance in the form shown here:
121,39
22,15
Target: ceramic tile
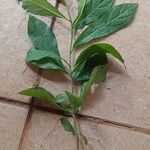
12,120
47,133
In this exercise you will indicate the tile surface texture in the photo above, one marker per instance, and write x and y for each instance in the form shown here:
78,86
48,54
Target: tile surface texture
46,133
12,119
14,43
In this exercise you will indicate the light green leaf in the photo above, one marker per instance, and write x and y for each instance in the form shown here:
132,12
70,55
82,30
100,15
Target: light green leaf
92,10
98,75
61,98
111,22
40,93
75,101
44,59
67,125
41,7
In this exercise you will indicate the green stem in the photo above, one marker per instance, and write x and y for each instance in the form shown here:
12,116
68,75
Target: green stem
76,131
72,82
70,51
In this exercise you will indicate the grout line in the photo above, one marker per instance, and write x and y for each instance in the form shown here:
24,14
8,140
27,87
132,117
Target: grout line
96,120
26,126
85,117
36,84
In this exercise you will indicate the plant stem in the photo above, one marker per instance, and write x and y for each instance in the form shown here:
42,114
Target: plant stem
72,82
70,51
76,131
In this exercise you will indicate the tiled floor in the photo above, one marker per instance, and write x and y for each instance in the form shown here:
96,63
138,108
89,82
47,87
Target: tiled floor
116,117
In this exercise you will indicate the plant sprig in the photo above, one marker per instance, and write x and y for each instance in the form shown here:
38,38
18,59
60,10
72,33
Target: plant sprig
99,19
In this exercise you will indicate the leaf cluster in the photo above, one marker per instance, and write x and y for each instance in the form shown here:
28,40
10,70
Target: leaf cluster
97,19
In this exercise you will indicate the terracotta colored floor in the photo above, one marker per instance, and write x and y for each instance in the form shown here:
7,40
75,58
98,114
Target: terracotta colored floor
116,117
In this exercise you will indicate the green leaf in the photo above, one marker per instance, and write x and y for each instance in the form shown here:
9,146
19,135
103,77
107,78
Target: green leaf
111,22
44,59
40,93
99,48
67,125
84,69
45,55
42,36
41,7
91,57
75,101
61,98
98,75
92,10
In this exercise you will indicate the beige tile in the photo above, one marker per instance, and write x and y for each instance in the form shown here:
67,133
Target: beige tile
14,43
46,133
12,119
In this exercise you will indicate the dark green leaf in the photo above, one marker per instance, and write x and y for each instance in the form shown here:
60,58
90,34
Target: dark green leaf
82,73
45,54
39,93
111,22
41,7
99,49
67,125
42,36
92,10
44,59
91,57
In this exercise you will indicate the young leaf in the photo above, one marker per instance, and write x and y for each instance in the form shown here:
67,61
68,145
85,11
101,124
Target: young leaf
111,22
92,10
41,7
44,59
75,101
61,98
67,125
39,93
98,75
